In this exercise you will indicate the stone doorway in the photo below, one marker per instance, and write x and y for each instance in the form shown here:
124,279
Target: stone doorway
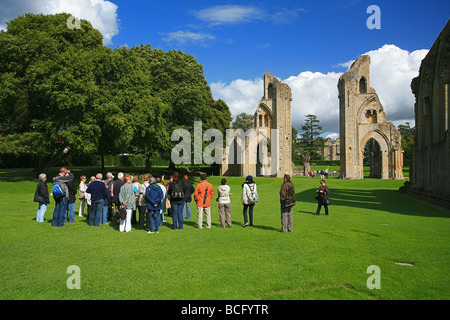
372,158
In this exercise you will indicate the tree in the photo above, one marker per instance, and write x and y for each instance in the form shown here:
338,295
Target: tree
310,142
407,142
48,88
243,121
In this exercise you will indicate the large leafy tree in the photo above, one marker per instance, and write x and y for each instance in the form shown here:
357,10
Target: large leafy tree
407,142
243,121
47,87
63,92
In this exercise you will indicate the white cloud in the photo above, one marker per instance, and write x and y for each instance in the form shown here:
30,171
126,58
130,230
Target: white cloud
228,14
392,70
101,14
234,14
188,37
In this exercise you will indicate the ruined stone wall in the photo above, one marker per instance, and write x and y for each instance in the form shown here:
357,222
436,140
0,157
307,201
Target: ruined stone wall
362,118
431,158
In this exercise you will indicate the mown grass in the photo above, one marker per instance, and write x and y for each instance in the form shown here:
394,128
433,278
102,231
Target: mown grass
326,257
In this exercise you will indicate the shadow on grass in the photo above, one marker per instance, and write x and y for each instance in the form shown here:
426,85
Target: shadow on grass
377,199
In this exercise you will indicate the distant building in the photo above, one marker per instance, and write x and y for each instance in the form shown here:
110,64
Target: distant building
331,151
429,172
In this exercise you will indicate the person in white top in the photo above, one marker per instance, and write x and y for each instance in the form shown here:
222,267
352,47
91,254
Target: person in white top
224,203
82,195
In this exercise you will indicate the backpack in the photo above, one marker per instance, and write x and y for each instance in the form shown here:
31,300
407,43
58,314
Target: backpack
177,191
253,196
57,191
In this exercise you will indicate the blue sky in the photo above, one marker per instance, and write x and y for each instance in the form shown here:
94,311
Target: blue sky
306,44
283,37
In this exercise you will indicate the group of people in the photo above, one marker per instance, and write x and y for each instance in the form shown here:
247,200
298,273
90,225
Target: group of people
123,200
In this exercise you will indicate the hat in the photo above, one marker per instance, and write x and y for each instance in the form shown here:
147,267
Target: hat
249,178
152,180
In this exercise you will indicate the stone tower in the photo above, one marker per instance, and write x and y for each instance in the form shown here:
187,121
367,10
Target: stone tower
272,124
362,124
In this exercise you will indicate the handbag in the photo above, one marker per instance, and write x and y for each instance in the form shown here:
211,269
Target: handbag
168,206
123,213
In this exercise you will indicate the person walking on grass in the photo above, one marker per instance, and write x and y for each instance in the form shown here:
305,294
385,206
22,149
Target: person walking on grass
202,196
42,197
127,200
323,197
224,203
154,196
287,201
249,199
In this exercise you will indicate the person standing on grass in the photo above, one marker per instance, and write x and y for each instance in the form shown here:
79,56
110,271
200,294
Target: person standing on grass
224,203
42,197
142,204
115,191
154,195
249,199
175,192
72,193
322,197
61,204
97,189
202,196
106,204
163,201
82,195
287,201
127,199
188,191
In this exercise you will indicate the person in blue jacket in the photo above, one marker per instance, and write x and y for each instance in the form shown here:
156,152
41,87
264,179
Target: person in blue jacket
154,195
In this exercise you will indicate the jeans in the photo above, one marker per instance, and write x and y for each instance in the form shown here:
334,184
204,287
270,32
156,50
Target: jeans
71,212
177,214
60,212
187,205
104,215
154,221
250,213
41,212
96,211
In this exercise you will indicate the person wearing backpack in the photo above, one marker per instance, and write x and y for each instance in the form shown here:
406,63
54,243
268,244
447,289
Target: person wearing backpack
175,194
202,195
287,201
249,199
62,200
41,196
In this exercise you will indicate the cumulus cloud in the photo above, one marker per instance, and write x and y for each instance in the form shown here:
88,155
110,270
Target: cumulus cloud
187,37
101,14
392,70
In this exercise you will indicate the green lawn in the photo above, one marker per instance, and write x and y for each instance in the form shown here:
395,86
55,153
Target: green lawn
326,257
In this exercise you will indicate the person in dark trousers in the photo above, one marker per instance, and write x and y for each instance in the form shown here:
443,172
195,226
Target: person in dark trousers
115,191
249,199
42,197
61,204
322,197
97,189
72,198
188,191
